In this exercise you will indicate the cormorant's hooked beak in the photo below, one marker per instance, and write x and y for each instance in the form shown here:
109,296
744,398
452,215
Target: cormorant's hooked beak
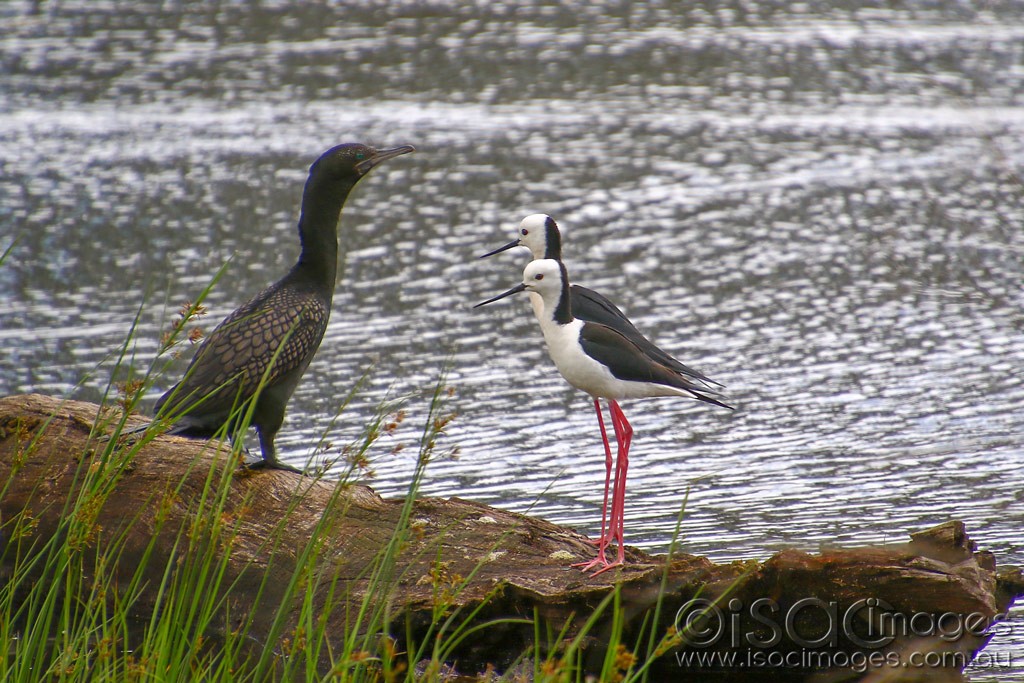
380,156
515,290
514,243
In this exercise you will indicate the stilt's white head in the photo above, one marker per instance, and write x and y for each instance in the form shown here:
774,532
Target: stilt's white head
547,278
544,277
538,233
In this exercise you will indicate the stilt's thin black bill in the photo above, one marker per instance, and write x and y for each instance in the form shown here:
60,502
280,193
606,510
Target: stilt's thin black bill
510,245
515,290
381,156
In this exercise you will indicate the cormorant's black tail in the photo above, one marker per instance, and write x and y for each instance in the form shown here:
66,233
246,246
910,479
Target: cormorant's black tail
174,429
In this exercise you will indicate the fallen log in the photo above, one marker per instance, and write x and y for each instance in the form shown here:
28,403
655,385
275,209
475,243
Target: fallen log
857,612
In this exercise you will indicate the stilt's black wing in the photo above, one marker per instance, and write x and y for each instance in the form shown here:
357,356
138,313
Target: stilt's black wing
591,306
628,362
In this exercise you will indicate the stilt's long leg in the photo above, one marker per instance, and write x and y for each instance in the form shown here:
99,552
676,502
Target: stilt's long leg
623,437
605,536
606,530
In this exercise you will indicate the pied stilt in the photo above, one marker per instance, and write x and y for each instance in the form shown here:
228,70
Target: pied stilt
604,363
539,233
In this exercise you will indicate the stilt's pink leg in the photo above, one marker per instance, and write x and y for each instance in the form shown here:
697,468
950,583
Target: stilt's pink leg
605,537
606,530
623,437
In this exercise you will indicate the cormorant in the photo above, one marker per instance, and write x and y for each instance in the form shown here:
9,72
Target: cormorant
271,340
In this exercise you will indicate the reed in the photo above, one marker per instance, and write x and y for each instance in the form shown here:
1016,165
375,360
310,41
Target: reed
67,615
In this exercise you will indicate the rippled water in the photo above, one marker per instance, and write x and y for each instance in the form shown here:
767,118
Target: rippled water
819,206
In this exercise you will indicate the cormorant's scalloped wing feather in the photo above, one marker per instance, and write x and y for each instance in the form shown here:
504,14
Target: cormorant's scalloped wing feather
242,346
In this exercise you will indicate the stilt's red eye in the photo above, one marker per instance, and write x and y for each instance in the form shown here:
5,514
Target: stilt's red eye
538,276
525,231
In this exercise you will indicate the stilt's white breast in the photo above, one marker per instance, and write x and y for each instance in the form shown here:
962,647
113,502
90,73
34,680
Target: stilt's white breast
544,281
538,305
589,375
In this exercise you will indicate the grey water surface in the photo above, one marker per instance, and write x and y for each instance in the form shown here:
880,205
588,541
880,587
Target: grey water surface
817,204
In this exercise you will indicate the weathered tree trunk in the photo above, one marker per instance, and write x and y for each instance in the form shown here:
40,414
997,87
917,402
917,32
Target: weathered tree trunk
858,602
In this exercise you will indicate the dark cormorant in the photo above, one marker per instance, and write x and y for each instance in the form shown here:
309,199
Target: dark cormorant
272,339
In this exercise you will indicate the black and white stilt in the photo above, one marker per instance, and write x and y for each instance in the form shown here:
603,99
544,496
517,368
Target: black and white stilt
539,233
605,363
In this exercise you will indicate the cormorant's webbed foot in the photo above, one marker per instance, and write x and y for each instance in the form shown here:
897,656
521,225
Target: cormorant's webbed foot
271,465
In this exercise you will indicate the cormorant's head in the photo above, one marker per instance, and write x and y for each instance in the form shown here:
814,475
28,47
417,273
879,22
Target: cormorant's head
352,160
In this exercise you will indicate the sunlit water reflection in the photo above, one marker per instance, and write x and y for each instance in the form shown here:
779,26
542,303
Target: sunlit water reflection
821,211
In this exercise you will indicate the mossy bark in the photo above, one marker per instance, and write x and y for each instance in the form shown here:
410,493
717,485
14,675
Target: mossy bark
519,565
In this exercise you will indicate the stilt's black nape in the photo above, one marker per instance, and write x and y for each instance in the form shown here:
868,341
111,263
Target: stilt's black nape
260,351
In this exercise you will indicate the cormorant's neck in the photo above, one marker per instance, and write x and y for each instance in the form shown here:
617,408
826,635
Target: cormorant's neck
318,231
563,310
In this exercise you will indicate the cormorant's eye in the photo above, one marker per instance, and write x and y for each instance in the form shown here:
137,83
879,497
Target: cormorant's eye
360,156
525,232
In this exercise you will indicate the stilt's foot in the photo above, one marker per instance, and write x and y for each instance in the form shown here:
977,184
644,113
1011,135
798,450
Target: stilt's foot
610,565
587,566
599,561
601,565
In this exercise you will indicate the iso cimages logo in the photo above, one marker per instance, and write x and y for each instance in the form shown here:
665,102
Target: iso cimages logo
868,623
